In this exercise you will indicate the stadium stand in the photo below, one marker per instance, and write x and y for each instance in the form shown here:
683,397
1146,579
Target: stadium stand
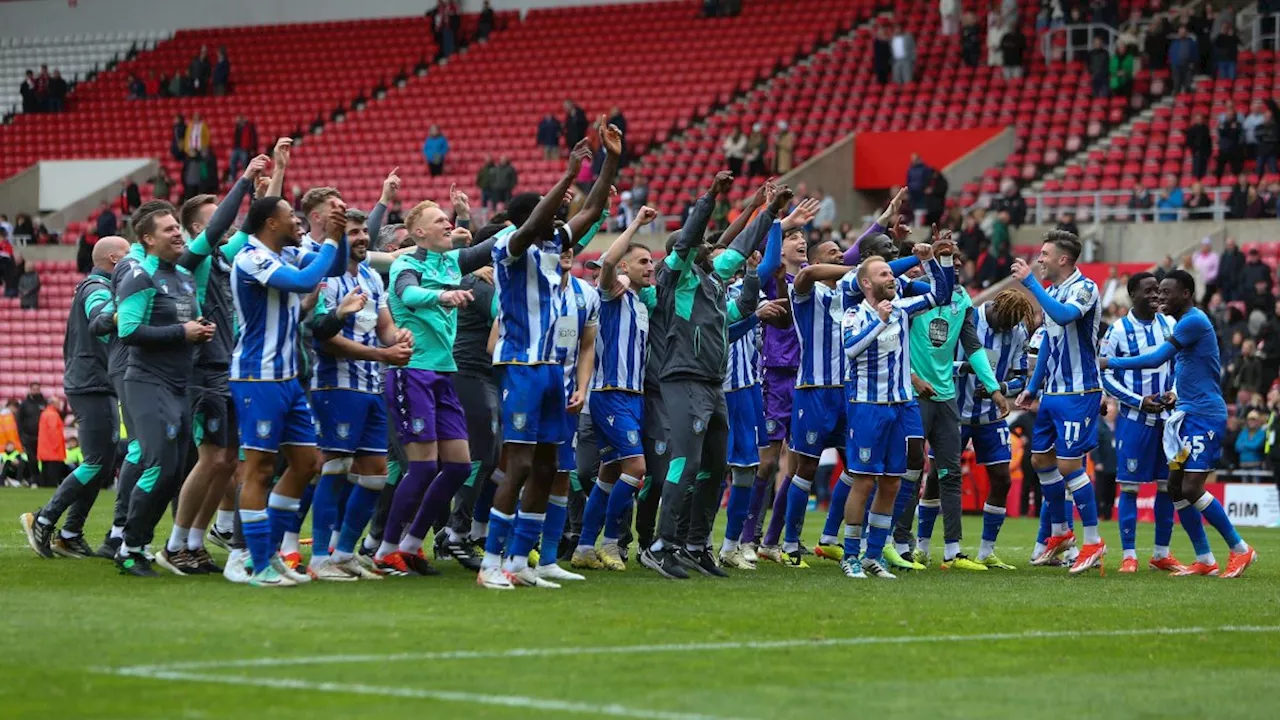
32,349
76,56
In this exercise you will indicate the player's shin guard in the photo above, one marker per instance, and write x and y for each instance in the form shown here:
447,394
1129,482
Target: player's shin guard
1127,510
774,532
553,528
877,534
1213,511
283,511
835,511
1086,504
619,502
594,512
1193,523
1055,497
495,545
1164,520
528,530
797,505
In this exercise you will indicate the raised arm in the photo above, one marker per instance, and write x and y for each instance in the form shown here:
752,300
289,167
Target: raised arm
942,274
541,220
695,227
279,162
598,199
1112,384
739,330
852,256
811,275
609,286
757,201
1153,359
204,244
748,299
1062,313
861,328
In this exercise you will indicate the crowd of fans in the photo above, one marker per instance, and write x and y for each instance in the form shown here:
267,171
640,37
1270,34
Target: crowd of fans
38,440
45,92
203,76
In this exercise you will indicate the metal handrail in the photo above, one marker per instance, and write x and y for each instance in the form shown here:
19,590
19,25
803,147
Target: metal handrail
1047,45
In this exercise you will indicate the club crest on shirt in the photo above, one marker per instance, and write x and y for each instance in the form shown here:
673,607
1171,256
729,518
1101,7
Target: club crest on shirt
419,425
609,419
811,437
164,287
212,424
1083,295
264,428
770,425
519,420
1133,464
171,431
660,447
698,426
582,301
864,454
343,430
493,426
633,437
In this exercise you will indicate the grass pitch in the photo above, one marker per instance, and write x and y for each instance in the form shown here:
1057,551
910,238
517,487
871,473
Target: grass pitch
79,641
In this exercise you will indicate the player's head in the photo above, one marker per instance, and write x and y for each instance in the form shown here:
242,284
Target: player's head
521,206
271,220
794,250
429,227
1177,292
315,205
637,265
825,252
390,237
160,234
357,235
881,246
108,251
876,280
1058,255
1009,308
566,259
196,212
1144,291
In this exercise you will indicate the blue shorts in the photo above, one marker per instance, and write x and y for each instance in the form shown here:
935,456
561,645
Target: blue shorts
1067,424
533,404
350,422
1201,439
1140,452
747,433
877,443
618,417
913,425
818,420
567,458
990,442
272,413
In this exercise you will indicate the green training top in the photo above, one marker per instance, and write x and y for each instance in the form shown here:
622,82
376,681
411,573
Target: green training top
934,335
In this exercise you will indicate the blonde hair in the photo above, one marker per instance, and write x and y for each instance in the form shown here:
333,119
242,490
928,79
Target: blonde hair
315,197
866,262
418,211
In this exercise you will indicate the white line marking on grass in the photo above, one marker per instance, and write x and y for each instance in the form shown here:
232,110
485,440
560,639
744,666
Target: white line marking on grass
510,701
515,653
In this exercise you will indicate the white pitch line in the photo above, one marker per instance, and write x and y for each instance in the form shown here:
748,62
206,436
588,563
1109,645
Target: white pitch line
510,701
515,653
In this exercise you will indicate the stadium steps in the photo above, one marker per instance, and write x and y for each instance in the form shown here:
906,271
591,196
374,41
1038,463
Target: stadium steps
1079,160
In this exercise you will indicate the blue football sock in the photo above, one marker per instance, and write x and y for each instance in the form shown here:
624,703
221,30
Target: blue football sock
736,514
616,505
528,531
360,508
852,542
1127,507
256,528
484,501
1164,518
908,489
1045,523
324,509
1213,511
593,512
500,527
1054,490
344,494
992,520
1193,524
283,513
1085,501
553,529
927,517
835,511
304,506
797,506
878,535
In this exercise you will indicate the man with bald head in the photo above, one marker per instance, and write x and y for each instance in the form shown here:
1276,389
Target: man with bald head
90,332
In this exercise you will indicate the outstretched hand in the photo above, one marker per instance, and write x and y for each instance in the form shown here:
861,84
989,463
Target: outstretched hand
722,182
610,137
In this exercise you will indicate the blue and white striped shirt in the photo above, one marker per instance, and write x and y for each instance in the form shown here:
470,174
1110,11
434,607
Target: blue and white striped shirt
528,289
1070,352
817,316
878,369
348,373
1129,337
579,310
624,339
744,353
267,348
1006,351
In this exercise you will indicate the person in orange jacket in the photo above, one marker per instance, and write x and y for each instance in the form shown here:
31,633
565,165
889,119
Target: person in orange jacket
9,425
52,445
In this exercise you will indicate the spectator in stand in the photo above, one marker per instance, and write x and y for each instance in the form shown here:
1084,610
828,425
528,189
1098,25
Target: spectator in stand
735,150
208,172
1184,55
1226,48
993,266
1256,274
1199,143
1205,261
995,35
151,86
7,265
5,224
134,88
1198,203
1268,139
1231,271
971,239
1011,202
575,124
1253,209
58,90
42,89
29,420
755,151
1013,49
549,131
244,145
191,177
1140,201
1238,198
1067,223
1230,143
1200,23
826,217
132,196
919,175
1269,196
178,138
107,223
196,140
1001,242
639,193
1222,18
485,25
784,149
52,445
24,230
1155,47
503,180
161,185
935,201
904,55
970,40
1121,71
199,71
434,150
1169,201
950,11
1100,69
1251,442
222,73
882,55
484,180
28,92
1250,124
394,215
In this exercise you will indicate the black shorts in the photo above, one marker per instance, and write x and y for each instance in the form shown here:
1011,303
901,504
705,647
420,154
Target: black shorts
479,398
213,410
